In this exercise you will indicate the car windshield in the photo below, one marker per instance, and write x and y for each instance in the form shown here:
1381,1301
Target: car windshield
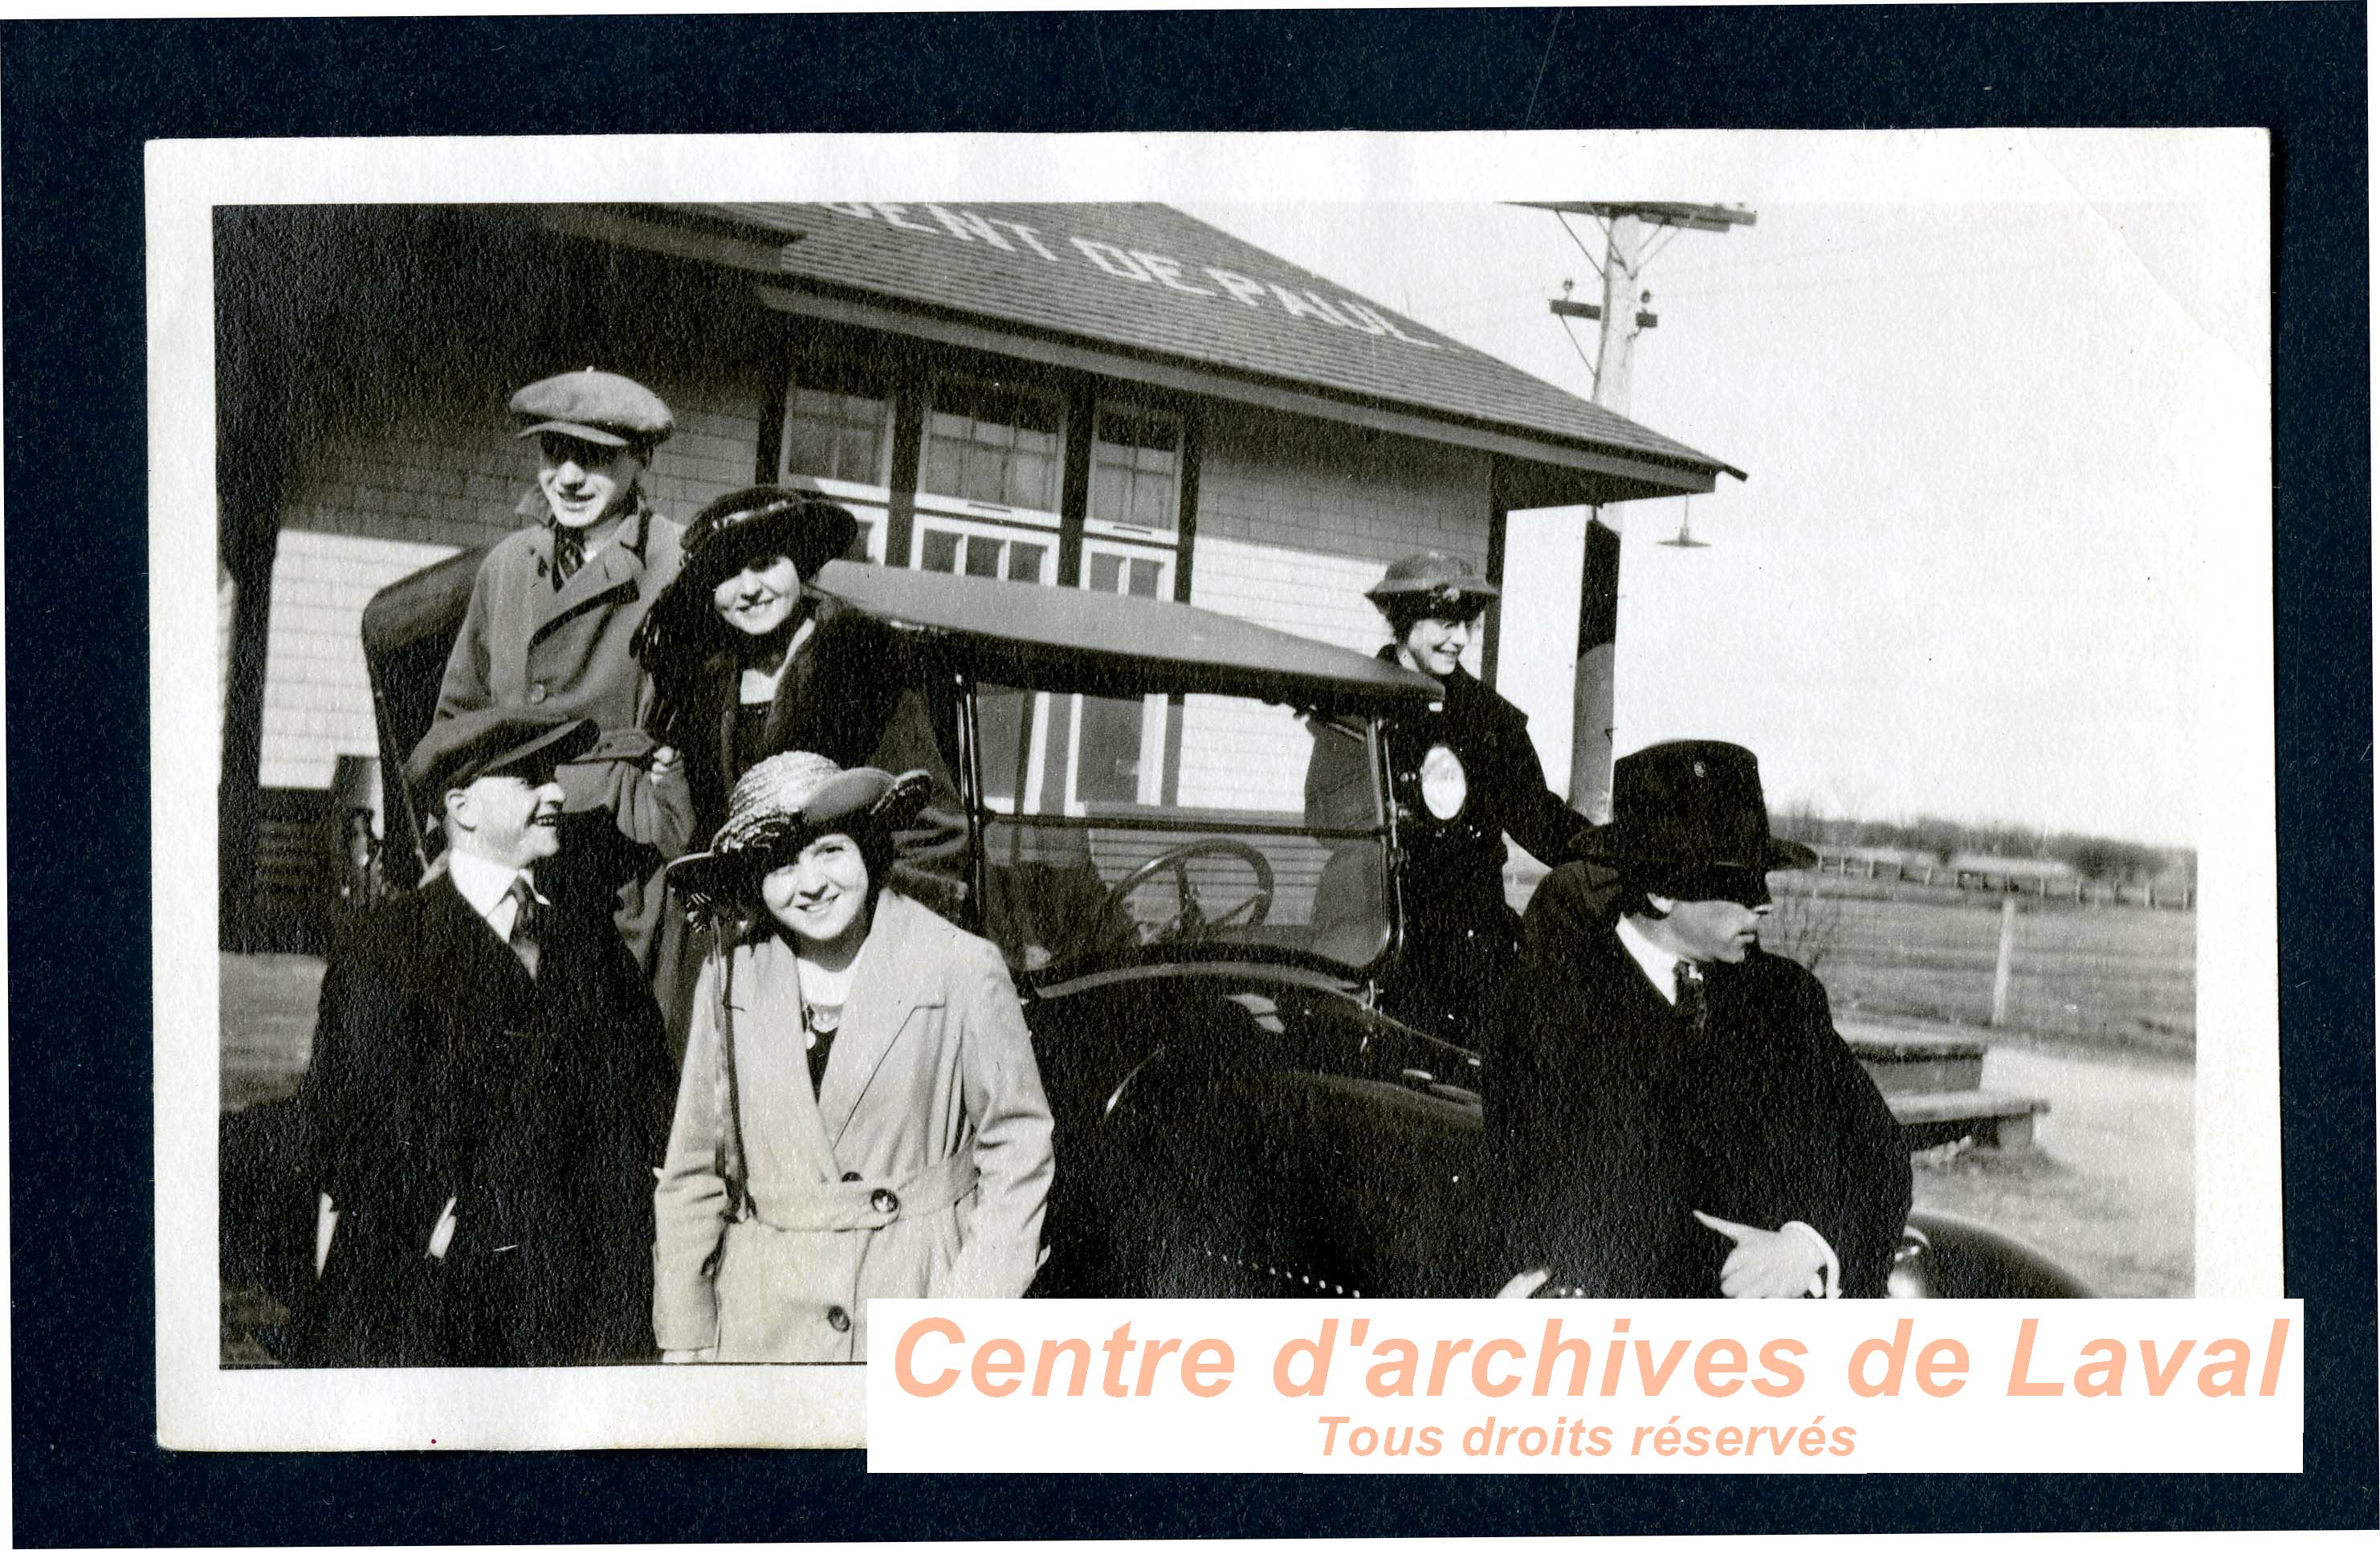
1117,828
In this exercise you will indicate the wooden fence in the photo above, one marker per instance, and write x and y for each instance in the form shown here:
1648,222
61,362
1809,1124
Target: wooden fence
2069,886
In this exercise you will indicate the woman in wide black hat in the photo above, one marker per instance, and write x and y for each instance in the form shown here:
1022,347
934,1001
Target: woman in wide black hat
859,1115
749,660
721,638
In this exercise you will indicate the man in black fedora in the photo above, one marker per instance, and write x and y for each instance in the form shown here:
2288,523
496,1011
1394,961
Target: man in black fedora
1672,1113
489,1091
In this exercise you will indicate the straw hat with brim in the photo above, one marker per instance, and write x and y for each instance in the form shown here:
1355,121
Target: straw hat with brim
782,803
496,740
761,522
1433,576
1688,819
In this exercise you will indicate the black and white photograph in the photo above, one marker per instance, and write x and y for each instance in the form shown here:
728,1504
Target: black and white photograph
1319,716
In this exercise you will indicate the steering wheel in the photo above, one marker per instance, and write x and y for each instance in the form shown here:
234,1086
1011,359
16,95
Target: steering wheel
1190,923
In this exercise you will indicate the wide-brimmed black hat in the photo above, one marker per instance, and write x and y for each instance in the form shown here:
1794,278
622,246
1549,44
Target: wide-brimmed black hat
734,531
496,740
1685,810
782,803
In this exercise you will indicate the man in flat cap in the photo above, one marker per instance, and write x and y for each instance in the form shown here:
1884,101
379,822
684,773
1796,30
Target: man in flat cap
489,1092
551,615
1672,1113
1466,775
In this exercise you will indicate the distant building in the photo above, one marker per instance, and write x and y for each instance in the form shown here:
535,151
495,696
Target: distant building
1111,396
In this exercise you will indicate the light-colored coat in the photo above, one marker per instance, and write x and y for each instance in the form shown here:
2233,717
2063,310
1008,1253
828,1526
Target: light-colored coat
920,1168
524,644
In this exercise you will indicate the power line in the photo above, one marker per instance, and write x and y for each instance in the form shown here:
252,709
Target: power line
1871,278
1846,249
1582,248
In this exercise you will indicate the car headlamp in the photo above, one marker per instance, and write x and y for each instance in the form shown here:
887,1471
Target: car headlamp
1444,786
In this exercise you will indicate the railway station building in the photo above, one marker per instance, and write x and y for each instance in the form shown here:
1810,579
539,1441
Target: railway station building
1108,396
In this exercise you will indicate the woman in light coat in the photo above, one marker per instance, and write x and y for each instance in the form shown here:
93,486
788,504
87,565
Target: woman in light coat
859,1114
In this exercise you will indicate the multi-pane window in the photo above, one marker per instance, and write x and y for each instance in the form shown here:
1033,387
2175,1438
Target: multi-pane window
1117,570
958,548
1118,745
838,425
1136,469
994,444
838,441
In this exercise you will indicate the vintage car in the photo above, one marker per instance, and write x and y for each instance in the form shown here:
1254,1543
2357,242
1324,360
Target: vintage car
1183,833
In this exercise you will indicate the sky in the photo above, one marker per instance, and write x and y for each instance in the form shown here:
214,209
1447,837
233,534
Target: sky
1965,575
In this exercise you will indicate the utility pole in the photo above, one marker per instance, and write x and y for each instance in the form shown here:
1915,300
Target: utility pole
1626,250
1615,361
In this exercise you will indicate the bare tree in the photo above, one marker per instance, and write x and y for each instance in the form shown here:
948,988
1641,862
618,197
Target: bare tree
1806,924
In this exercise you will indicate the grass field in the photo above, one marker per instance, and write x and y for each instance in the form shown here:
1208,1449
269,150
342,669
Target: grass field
2110,977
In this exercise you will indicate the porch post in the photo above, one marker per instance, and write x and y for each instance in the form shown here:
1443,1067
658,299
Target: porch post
255,343
1599,621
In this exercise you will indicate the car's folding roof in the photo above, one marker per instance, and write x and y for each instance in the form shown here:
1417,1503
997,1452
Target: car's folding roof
1070,641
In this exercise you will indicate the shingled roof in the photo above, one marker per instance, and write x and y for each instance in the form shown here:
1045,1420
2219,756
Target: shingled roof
1148,279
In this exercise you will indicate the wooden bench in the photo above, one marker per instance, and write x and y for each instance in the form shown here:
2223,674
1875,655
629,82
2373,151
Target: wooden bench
2000,1120
1910,1062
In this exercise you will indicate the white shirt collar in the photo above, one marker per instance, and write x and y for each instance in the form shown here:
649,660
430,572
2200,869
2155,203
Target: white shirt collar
487,887
1660,964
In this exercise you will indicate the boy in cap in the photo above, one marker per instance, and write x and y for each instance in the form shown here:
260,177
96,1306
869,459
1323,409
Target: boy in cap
489,1091
1466,775
551,615
1672,1113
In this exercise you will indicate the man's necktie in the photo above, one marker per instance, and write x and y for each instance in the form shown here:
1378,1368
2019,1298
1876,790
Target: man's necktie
569,552
527,925
1694,1002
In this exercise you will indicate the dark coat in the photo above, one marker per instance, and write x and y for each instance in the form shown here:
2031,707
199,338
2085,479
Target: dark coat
1463,864
441,1069
853,694
850,692
1460,933
1609,1122
524,644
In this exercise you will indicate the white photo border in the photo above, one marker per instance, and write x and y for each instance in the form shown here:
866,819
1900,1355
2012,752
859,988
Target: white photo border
203,1405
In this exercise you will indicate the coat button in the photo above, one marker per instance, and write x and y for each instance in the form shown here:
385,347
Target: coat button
838,1321
537,694
851,1178
885,1200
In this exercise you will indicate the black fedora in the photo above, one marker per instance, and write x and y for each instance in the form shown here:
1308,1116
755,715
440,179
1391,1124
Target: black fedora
1687,813
496,739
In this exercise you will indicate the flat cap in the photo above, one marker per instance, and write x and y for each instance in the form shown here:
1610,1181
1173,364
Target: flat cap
599,407
1444,577
498,740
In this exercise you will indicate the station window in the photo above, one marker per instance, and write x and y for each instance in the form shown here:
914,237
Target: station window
961,548
1136,471
838,441
1117,746
1115,567
838,425
993,447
